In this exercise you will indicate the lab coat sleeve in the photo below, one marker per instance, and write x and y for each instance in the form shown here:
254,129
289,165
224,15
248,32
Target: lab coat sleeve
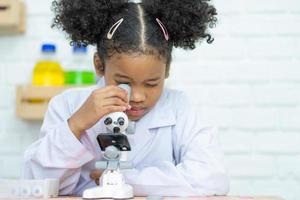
198,168
57,153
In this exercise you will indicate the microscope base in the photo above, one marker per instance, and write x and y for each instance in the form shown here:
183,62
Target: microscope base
109,192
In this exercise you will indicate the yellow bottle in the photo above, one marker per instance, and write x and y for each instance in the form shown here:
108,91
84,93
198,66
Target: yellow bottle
47,71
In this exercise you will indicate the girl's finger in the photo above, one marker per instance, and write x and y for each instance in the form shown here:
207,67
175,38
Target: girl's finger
117,92
110,109
95,174
114,101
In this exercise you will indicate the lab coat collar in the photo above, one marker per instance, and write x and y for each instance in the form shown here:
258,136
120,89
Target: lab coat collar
161,115
101,82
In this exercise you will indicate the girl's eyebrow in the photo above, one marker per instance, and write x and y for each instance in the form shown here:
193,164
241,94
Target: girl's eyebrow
124,76
153,79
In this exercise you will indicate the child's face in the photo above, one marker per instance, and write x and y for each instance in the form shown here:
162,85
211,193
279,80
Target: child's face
144,73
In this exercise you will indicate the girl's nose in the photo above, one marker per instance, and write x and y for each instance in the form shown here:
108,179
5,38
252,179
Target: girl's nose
137,95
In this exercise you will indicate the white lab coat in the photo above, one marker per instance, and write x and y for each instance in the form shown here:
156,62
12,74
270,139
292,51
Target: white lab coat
174,153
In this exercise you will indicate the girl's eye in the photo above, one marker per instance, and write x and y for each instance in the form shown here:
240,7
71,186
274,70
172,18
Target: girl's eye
122,82
151,85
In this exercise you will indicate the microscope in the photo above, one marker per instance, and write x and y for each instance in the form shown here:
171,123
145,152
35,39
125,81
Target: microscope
115,146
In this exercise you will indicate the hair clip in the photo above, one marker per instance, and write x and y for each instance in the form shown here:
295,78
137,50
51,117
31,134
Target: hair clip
163,28
136,1
113,29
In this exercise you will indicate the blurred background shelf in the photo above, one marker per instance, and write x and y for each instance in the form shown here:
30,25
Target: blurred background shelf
32,101
12,16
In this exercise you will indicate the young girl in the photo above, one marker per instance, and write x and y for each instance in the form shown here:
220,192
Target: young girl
173,151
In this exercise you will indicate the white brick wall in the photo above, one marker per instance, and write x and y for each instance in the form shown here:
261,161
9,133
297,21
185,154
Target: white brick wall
247,82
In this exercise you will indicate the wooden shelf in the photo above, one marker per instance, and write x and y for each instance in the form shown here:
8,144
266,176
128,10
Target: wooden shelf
32,101
12,16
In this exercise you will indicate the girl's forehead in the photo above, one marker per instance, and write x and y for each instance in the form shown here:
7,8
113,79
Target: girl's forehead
136,65
149,55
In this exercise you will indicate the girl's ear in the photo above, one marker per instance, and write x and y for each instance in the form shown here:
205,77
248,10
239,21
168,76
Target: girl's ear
98,64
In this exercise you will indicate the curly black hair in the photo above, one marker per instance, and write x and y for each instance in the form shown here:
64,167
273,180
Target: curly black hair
87,22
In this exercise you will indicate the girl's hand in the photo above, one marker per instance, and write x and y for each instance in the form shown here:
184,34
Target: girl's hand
101,102
95,175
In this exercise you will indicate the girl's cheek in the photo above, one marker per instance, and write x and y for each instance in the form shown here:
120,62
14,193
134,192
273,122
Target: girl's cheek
154,94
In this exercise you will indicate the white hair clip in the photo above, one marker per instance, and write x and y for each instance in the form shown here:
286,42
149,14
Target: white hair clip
113,29
163,28
136,1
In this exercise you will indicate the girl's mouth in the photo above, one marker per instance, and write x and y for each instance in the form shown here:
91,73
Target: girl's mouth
136,112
